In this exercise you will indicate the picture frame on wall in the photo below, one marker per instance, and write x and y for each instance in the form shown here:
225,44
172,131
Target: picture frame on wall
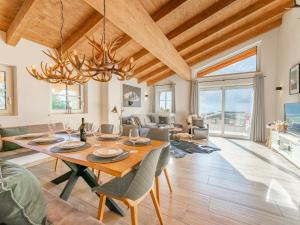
294,80
131,96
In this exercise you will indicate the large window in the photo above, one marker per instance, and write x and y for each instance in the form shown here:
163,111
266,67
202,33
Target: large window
67,98
6,90
245,62
165,101
227,110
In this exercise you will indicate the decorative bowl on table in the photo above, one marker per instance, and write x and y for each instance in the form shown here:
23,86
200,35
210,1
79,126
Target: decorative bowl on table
141,140
108,137
71,144
107,152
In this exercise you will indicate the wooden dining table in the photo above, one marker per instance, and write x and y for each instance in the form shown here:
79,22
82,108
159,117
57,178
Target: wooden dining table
81,167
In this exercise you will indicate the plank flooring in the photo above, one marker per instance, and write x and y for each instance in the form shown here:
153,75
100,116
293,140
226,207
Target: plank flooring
245,183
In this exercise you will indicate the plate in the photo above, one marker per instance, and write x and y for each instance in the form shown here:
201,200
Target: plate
45,140
107,152
141,140
109,136
32,135
71,144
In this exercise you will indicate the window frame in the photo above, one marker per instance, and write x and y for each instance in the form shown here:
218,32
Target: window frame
205,71
82,100
9,90
165,100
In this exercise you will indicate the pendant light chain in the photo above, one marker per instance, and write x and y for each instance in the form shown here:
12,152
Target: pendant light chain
104,9
62,25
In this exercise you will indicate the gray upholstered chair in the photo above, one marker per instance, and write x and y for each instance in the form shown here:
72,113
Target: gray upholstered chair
126,128
107,128
132,188
161,134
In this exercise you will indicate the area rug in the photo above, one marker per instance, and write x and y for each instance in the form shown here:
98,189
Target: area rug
179,149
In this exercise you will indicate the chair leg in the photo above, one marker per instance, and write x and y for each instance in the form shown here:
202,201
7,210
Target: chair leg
101,208
98,177
134,215
56,163
157,189
157,208
168,179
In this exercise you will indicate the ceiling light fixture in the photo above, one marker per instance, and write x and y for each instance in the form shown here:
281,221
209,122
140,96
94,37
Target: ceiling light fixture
66,68
103,63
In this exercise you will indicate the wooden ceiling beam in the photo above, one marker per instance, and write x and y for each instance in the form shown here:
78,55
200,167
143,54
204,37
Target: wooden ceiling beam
160,77
133,19
229,43
216,7
86,29
20,22
251,24
218,27
159,14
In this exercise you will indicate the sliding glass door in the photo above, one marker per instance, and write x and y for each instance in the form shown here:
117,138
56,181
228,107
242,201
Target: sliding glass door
227,110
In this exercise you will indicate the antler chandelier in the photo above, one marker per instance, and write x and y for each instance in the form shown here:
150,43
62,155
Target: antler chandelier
103,64
65,69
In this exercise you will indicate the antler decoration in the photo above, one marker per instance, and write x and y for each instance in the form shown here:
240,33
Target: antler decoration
103,63
66,69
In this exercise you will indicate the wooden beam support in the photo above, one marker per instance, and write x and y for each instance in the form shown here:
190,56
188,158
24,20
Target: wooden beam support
220,26
159,14
267,16
219,5
133,19
20,22
221,47
86,29
160,77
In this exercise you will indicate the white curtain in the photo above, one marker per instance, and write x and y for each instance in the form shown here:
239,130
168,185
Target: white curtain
258,130
153,99
194,98
173,99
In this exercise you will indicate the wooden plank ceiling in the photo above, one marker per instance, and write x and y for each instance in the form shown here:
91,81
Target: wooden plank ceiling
165,37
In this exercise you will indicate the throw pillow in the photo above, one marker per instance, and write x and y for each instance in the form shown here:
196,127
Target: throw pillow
21,198
164,119
13,131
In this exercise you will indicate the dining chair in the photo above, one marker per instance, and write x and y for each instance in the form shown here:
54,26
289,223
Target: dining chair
161,134
132,188
107,128
126,128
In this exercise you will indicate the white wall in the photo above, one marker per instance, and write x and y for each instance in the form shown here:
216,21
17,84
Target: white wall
33,95
288,55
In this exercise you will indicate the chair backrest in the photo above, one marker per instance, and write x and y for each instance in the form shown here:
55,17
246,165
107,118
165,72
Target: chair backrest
107,128
144,176
126,128
161,134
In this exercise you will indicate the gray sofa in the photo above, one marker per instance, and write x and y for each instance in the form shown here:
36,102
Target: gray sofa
152,120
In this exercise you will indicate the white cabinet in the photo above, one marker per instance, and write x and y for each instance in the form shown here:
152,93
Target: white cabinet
287,145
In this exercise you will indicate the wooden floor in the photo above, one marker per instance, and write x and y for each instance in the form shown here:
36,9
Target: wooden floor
245,183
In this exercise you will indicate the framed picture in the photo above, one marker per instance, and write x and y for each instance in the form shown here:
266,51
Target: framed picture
294,79
131,96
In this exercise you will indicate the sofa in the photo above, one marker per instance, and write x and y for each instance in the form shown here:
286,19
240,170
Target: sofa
151,120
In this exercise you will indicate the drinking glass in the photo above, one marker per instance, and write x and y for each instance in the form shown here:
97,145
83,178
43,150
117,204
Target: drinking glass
51,127
134,136
68,130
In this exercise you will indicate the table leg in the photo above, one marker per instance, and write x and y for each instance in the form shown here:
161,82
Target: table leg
89,177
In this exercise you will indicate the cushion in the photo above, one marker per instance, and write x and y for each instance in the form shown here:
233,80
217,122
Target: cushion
137,121
198,123
164,119
21,197
152,118
13,131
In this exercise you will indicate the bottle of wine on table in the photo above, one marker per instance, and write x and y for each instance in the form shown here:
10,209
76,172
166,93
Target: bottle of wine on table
82,130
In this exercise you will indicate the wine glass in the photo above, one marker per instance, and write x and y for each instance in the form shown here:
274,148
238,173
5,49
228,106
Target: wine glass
96,131
68,130
51,127
134,136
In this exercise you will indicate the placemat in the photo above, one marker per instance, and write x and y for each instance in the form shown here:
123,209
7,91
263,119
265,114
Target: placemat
30,138
47,143
129,143
57,149
96,159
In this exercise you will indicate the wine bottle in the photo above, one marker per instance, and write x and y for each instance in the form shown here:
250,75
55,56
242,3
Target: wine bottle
82,130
